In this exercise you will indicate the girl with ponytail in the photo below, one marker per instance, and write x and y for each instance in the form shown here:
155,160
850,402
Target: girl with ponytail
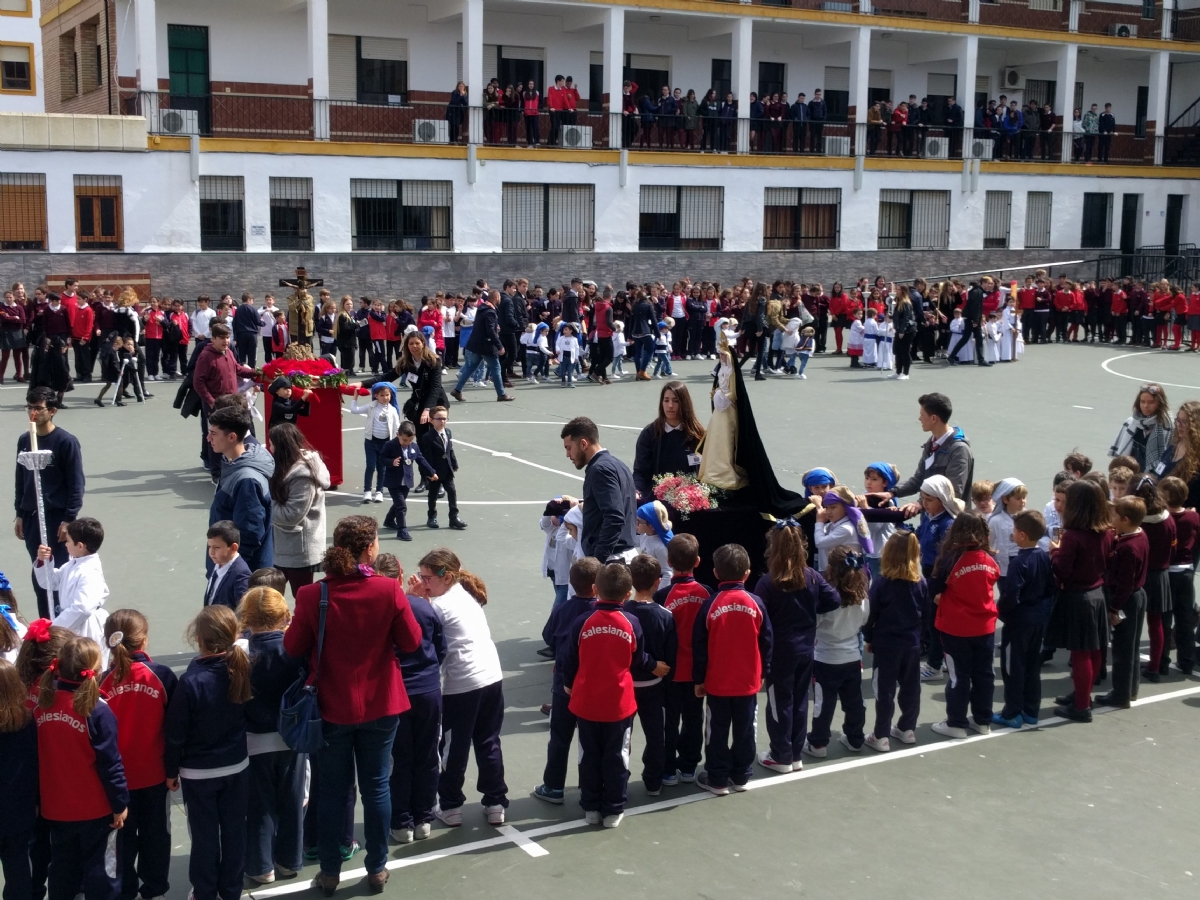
205,733
12,629
18,782
138,691
81,777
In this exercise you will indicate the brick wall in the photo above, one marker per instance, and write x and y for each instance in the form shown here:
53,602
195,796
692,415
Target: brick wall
84,86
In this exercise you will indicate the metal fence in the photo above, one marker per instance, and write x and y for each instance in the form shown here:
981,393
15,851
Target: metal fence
1182,266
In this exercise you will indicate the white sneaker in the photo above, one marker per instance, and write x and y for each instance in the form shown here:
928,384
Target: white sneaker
845,742
366,496
421,832
818,752
592,816
690,358
495,814
378,496
401,835
902,378
262,879
615,376
764,760
980,729
281,871
893,375
452,818
612,821
801,376
904,737
880,744
929,674
952,731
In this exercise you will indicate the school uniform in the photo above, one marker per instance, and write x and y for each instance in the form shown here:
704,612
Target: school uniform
1124,578
415,762
557,635
140,705
793,618
206,751
1181,575
837,673
287,410
606,643
684,710
731,655
1079,620
82,786
556,557
653,545
438,448
661,644
399,479
19,787
80,593
931,531
966,621
1026,592
275,810
1160,532
893,629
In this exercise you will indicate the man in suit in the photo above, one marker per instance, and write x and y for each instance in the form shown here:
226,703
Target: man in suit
484,348
438,446
510,327
230,574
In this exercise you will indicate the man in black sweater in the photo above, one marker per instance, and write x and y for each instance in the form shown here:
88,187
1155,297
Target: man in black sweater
510,328
609,498
484,348
62,486
973,316
246,326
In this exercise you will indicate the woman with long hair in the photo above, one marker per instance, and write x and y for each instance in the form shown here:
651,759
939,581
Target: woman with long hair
904,321
421,369
298,487
668,444
1146,435
1182,459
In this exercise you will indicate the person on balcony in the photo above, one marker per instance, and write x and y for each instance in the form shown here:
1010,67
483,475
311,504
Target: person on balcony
818,112
572,102
491,112
531,105
668,118
1030,127
629,113
1012,124
649,115
896,129
556,102
874,127
1107,127
954,124
908,137
689,113
729,114
456,110
1048,123
1091,127
758,115
799,122
710,114
510,103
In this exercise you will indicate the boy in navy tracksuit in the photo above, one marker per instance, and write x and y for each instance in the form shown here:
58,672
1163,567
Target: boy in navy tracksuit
658,631
685,710
557,635
606,644
1025,593
731,655
399,455
18,787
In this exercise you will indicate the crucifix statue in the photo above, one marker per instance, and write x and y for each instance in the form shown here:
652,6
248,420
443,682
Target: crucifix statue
300,306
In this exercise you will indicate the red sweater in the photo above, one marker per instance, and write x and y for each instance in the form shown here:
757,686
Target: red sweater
83,323
140,705
1027,298
683,600
1119,305
1081,558
1161,536
731,643
433,317
1063,301
154,325
605,643
80,773
368,620
1126,571
1194,304
967,608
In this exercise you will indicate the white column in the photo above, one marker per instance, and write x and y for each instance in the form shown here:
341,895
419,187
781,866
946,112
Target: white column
1065,93
1168,20
147,46
472,41
743,43
860,73
1073,15
1156,108
968,60
318,47
614,69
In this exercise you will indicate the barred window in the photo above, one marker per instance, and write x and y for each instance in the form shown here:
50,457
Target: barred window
801,218
401,215
914,220
291,214
98,223
1037,220
548,216
222,212
1097,221
680,218
997,219
22,212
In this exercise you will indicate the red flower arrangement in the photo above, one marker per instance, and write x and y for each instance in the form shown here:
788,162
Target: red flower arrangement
685,493
305,373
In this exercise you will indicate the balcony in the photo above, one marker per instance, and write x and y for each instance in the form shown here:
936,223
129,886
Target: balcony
1043,15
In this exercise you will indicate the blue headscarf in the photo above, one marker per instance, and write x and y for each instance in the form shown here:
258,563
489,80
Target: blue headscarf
648,514
391,387
817,477
4,583
885,472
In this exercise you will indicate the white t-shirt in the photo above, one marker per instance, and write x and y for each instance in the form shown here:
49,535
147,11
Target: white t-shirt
266,319
471,659
202,322
448,314
837,636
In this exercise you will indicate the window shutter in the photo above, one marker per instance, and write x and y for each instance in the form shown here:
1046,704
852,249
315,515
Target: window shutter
597,57
876,78
654,63
997,219
837,78
941,85
930,220
658,198
700,213
1037,220
508,52
427,193
781,196
572,217
522,216
384,48
821,196
343,67
372,189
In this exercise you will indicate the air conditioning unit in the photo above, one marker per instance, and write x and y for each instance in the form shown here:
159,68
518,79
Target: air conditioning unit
1011,80
834,6
980,148
937,147
177,121
577,137
431,131
1119,30
837,145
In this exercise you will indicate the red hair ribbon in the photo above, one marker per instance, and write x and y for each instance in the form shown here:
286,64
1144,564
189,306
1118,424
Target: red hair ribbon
54,665
38,631
88,673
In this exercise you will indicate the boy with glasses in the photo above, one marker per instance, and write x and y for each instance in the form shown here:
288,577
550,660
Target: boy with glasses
437,445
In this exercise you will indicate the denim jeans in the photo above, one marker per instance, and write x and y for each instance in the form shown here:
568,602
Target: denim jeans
560,594
662,364
473,361
366,747
375,464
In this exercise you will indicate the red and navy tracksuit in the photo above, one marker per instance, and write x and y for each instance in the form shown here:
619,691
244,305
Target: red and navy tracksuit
206,750
415,762
140,705
893,629
557,635
793,618
275,807
731,655
606,644
1026,595
966,620
684,735
82,786
19,788
661,643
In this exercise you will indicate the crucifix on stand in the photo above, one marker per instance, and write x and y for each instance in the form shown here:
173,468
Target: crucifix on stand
301,310
35,461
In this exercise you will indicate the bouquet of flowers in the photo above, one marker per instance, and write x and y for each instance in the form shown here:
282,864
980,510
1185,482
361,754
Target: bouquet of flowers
686,494
305,373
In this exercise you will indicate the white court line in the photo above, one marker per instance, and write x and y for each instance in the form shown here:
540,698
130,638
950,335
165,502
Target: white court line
1105,366
505,455
700,796
1083,407
534,850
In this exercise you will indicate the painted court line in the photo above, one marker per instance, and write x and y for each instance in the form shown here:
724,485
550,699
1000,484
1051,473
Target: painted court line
533,849
510,834
505,455
1105,366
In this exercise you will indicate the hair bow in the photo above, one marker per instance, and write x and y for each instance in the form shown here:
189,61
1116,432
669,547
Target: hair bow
53,667
115,638
366,571
5,585
38,631
88,673
854,561
789,522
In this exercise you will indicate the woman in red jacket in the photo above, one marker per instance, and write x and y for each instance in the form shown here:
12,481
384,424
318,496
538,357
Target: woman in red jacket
839,311
152,329
1161,303
896,127
368,622
431,315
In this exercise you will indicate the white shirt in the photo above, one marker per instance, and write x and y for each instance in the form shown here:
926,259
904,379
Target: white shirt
567,344
837,636
214,580
385,421
266,320
1000,531
448,313
202,322
652,545
471,659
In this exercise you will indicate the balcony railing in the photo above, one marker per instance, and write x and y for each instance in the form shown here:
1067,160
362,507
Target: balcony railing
1043,15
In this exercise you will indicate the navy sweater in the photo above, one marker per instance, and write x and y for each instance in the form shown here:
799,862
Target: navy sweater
1027,591
658,634
894,621
272,672
19,779
421,669
557,631
62,480
793,614
204,728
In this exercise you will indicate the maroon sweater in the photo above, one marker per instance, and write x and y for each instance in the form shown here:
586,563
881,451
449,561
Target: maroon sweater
1126,570
1187,524
216,374
1081,558
1161,536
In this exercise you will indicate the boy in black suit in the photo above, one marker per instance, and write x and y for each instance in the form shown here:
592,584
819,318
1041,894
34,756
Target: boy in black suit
398,455
230,575
438,447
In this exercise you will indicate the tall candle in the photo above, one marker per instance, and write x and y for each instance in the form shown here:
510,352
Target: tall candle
33,436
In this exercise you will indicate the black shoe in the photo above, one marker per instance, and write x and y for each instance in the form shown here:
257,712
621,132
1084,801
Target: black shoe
458,524
99,402
546,653
147,396
1109,700
403,535
1152,677
1047,656
432,522
389,523
759,376
419,489
1065,700
1075,715
119,402
1103,674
